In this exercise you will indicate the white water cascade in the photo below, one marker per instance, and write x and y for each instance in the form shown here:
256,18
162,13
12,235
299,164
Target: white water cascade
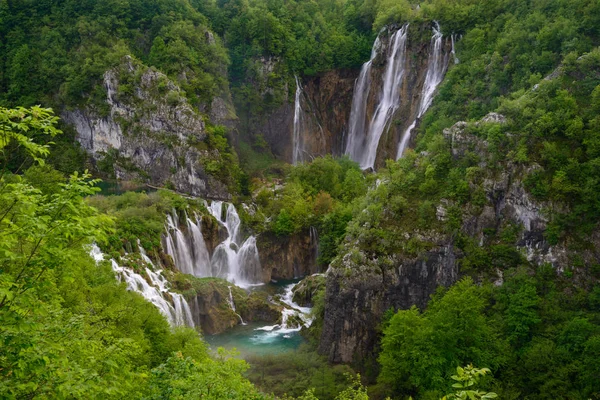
237,262
456,60
291,314
362,144
436,69
178,313
188,252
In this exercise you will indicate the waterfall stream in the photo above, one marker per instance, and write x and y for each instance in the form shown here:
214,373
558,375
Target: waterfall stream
436,68
298,147
156,292
237,262
358,113
232,306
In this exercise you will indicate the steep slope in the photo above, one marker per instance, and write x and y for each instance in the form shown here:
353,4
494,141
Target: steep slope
146,130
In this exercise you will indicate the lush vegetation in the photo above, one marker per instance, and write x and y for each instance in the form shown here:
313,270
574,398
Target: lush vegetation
319,194
57,52
69,329
538,334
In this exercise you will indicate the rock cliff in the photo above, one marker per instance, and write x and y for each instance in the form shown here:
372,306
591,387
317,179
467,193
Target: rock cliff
361,287
146,130
286,257
325,102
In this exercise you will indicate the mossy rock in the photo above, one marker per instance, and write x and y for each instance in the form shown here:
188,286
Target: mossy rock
307,288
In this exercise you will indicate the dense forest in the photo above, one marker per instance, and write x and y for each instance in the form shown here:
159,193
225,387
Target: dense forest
515,310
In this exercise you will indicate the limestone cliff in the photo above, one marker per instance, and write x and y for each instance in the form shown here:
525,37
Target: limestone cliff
146,130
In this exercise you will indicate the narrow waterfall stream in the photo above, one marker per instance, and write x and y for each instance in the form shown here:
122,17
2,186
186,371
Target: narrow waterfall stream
177,313
436,69
232,306
297,146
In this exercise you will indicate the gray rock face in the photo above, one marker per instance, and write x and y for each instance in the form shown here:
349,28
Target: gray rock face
358,294
150,131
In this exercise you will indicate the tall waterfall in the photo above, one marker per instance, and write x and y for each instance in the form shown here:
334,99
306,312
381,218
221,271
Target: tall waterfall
237,262
389,101
436,68
156,292
358,112
298,148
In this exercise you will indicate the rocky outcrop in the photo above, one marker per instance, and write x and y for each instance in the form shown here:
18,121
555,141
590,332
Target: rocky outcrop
325,102
211,310
306,290
359,291
361,287
286,257
210,304
147,131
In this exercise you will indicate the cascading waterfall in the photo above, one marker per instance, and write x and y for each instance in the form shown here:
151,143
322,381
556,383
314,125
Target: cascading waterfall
178,313
291,314
238,263
298,147
358,113
436,68
389,100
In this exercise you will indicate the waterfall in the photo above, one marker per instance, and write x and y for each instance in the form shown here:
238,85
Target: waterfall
365,151
189,252
232,306
436,68
357,125
290,314
314,244
237,262
298,147
157,293
456,60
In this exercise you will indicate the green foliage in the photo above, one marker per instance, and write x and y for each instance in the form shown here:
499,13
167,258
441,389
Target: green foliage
290,374
86,39
69,328
420,350
466,378
185,378
317,194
